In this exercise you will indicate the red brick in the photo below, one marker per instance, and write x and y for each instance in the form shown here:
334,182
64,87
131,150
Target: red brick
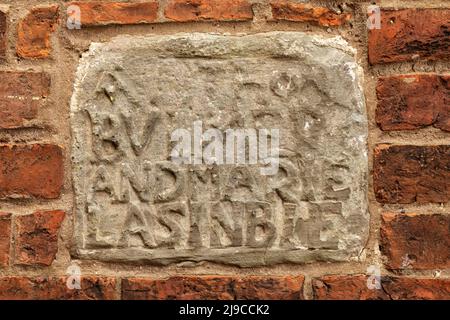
36,241
21,95
354,287
55,288
217,10
345,288
34,32
408,102
31,171
213,287
98,13
411,241
269,288
410,34
3,35
5,238
304,12
408,174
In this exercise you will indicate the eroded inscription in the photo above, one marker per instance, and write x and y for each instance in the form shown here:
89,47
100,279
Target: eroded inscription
134,203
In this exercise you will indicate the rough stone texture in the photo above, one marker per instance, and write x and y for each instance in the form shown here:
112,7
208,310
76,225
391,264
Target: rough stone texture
214,288
34,31
410,34
27,288
3,36
411,241
134,204
304,12
5,238
34,170
407,102
392,288
21,95
100,13
218,10
36,241
408,174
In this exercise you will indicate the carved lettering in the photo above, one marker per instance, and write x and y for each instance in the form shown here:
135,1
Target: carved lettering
245,150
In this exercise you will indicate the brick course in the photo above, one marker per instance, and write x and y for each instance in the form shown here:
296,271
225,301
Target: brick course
21,96
34,32
213,288
411,181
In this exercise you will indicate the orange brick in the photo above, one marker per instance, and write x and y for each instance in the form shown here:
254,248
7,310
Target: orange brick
98,13
215,10
408,174
304,12
34,32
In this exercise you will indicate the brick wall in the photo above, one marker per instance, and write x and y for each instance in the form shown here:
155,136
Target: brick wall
407,88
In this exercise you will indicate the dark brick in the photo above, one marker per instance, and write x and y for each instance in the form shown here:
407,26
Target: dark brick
408,174
411,34
354,287
411,241
413,101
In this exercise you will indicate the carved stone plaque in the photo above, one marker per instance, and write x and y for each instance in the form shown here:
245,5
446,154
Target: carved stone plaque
134,202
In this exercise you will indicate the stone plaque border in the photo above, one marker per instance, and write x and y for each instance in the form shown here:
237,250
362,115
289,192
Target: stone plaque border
295,46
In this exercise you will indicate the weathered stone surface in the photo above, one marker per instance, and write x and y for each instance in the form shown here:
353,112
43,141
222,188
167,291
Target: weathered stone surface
134,204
